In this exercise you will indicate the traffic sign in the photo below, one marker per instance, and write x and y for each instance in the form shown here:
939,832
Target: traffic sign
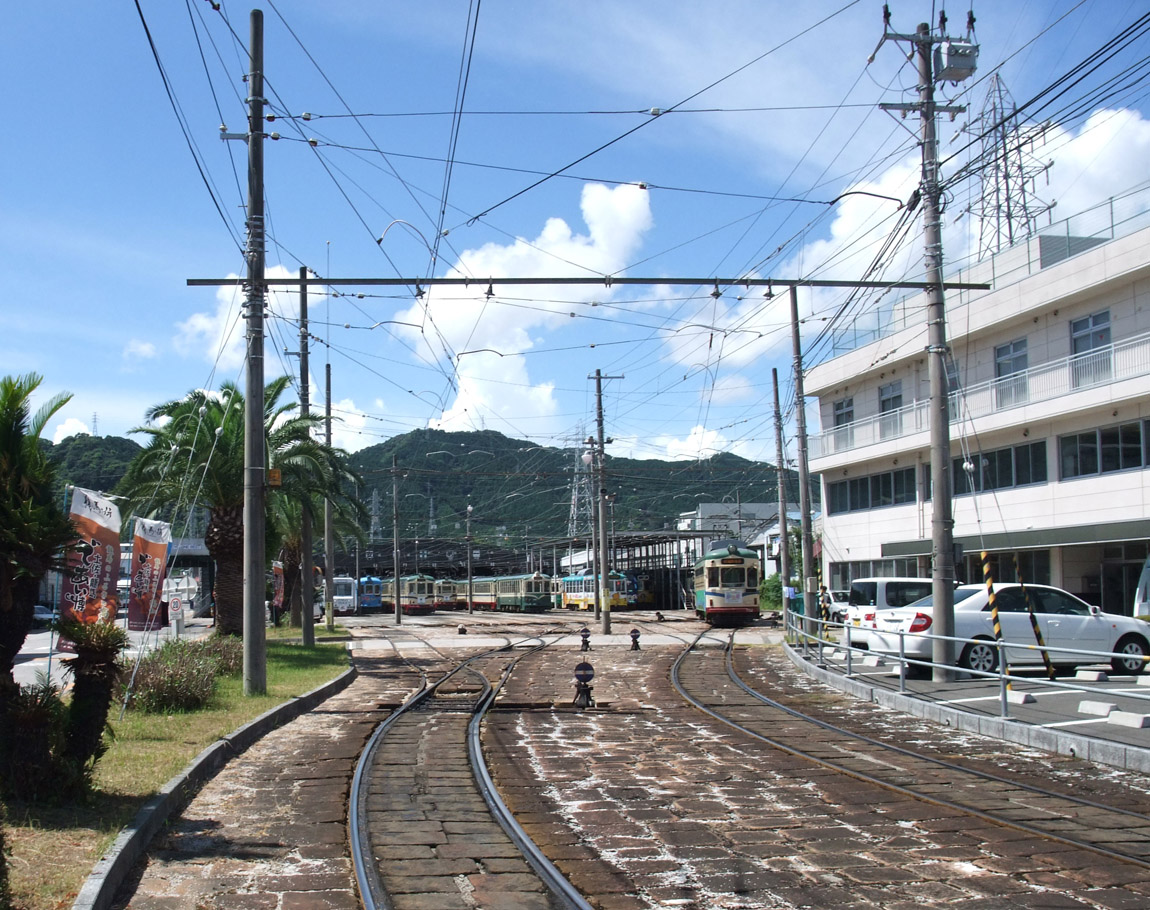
584,673
174,606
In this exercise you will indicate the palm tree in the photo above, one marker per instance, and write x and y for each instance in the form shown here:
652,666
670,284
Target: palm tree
196,458
34,528
285,526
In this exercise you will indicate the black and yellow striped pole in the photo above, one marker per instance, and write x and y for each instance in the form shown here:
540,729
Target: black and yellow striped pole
1034,621
994,610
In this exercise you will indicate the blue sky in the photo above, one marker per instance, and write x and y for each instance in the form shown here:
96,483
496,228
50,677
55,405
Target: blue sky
106,215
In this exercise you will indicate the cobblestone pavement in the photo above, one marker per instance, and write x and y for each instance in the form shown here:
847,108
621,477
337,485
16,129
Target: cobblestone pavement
642,801
693,815
270,830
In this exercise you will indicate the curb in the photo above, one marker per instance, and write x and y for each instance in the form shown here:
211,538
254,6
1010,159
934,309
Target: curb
1099,751
114,866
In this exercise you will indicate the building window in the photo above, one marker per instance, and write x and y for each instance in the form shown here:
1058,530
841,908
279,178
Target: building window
1001,469
890,488
1090,349
843,412
1010,374
889,406
1104,451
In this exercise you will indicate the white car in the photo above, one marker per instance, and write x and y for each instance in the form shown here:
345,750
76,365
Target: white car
1064,621
869,598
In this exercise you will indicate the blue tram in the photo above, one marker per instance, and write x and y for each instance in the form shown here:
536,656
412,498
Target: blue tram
370,594
727,585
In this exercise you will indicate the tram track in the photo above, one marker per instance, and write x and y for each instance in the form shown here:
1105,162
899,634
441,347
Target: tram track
424,812
709,681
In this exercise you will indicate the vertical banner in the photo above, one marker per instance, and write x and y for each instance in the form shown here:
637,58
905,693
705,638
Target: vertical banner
149,563
89,592
277,588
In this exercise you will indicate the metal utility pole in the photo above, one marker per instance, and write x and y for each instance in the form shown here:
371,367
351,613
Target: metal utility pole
957,62
255,632
784,541
307,583
395,541
328,527
808,597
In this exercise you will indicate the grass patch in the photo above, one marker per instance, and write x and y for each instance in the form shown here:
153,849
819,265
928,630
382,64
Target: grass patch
54,849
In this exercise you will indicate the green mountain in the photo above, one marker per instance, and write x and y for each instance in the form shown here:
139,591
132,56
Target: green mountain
92,462
518,489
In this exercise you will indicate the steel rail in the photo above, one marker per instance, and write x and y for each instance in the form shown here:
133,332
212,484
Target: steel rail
896,788
373,894
567,893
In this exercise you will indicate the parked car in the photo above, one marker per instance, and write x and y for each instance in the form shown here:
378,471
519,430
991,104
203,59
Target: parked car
1065,622
840,600
868,597
41,616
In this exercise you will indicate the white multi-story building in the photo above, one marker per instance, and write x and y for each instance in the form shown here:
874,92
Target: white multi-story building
1050,418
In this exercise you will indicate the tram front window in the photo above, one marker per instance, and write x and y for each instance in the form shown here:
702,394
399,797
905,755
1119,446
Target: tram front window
734,578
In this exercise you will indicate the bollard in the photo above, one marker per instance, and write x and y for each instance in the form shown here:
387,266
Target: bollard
586,635
634,639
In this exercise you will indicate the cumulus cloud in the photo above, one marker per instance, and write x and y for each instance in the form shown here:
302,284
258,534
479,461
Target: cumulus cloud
217,336
70,427
136,349
487,335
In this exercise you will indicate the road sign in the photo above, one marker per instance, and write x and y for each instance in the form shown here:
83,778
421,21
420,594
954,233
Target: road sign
174,606
584,673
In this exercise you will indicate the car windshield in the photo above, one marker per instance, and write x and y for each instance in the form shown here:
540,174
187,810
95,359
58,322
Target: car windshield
960,594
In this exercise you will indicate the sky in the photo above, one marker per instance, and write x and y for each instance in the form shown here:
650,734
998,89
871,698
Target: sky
645,139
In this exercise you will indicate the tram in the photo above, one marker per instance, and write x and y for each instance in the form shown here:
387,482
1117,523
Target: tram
523,593
416,594
727,585
446,590
344,598
370,594
579,591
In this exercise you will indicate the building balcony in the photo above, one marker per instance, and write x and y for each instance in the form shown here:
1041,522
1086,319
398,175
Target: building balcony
1048,382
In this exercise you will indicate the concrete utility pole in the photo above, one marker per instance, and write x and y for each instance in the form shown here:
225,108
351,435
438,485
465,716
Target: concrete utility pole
470,605
604,563
255,632
784,542
395,541
307,582
808,596
958,63
328,527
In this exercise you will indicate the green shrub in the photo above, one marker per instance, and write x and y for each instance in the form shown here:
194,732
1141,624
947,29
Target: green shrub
34,764
228,652
5,891
177,676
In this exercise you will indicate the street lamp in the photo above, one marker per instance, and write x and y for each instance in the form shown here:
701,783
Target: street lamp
470,604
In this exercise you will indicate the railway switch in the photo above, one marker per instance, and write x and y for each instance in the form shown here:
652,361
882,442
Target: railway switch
634,639
584,673
463,630
585,634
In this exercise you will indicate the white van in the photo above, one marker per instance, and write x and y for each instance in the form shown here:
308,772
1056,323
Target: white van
868,596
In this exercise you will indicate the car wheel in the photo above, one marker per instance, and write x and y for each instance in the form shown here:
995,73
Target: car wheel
981,656
1133,660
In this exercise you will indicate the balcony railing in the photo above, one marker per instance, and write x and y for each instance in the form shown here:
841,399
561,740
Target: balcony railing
1126,359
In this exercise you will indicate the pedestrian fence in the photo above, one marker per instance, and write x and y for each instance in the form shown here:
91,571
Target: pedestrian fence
816,636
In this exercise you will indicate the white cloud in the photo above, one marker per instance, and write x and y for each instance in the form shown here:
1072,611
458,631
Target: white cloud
218,337
347,432
70,427
485,335
137,349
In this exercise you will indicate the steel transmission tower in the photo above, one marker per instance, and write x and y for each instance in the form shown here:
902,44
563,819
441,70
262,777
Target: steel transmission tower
1007,208
579,523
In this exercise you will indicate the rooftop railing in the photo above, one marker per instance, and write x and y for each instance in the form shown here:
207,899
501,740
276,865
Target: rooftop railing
1126,359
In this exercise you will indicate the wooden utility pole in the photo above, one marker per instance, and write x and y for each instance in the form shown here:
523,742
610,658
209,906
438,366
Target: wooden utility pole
255,632
307,581
601,509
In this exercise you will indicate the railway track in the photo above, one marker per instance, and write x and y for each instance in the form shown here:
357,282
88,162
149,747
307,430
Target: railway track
708,679
424,814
